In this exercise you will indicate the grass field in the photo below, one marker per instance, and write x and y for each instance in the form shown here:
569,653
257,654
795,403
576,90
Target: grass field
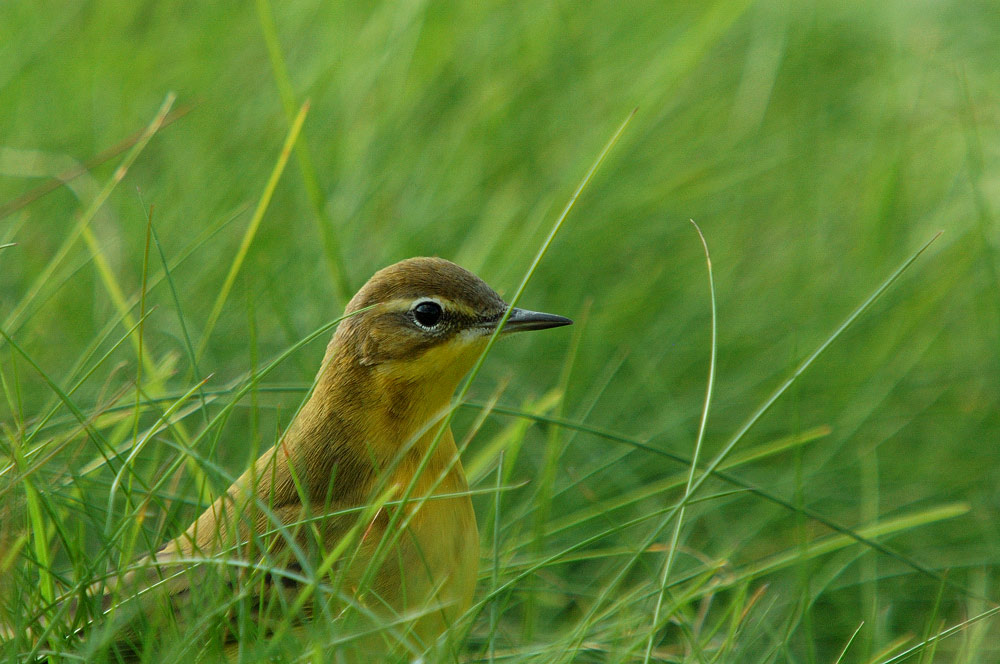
818,145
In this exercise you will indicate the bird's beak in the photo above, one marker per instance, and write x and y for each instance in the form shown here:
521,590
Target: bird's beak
521,320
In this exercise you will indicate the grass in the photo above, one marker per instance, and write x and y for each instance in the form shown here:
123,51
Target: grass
164,306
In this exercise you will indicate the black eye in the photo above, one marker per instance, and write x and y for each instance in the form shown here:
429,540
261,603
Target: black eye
428,313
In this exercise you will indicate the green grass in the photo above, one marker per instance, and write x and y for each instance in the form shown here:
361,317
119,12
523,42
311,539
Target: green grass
818,146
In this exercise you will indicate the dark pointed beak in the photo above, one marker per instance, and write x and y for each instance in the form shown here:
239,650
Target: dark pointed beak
521,320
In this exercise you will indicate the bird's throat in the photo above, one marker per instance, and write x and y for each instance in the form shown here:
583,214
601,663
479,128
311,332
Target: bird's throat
381,413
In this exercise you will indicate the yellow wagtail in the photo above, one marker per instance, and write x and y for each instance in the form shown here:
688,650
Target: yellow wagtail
367,435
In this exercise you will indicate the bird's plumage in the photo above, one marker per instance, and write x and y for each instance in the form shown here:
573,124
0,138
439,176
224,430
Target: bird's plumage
367,431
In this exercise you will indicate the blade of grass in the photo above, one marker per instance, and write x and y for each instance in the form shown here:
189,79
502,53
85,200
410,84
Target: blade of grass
12,322
324,224
39,529
50,185
117,295
188,346
675,537
495,568
142,319
825,545
549,474
927,657
251,232
847,646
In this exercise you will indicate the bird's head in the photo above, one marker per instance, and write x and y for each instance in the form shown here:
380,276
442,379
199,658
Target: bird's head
427,318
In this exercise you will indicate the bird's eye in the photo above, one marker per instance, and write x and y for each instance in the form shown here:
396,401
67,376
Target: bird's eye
427,313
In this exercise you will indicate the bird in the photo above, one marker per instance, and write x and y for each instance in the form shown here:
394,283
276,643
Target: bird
363,480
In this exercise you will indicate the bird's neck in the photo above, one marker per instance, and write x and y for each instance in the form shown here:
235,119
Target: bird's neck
374,413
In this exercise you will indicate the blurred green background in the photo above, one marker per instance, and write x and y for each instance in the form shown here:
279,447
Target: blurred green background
817,144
